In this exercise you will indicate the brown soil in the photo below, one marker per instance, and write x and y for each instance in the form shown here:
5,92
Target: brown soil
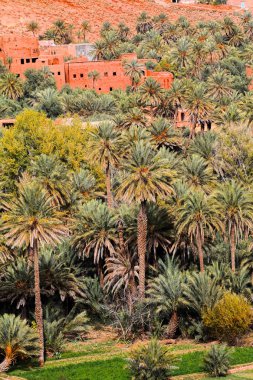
15,14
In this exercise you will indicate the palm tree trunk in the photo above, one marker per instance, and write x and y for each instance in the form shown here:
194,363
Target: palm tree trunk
142,246
193,127
200,252
38,305
172,325
108,186
5,365
232,247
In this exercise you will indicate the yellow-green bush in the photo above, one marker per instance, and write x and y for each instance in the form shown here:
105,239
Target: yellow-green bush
229,319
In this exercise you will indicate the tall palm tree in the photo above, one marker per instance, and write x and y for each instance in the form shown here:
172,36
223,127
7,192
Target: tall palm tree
147,178
31,221
96,232
151,94
197,103
144,23
11,86
104,150
219,84
198,174
197,216
84,29
94,75
236,206
33,27
51,173
17,340
134,70
181,53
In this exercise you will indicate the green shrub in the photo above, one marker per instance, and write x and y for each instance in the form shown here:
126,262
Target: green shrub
217,360
229,319
151,362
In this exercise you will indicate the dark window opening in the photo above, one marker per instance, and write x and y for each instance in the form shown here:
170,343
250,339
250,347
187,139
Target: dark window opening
34,60
74,76
99,89
106,74
81,75
182,116
114,73
22,61
59,73
27,60
85,86
18,75
111,89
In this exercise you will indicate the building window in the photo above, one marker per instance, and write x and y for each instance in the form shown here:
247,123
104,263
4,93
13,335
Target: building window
111,88
18,75
34,60
99,88
106,74
74,75
81,75
59,73
182,116
27,60
114,73
22,61
85,86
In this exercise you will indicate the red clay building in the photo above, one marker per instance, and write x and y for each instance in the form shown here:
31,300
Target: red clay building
26,53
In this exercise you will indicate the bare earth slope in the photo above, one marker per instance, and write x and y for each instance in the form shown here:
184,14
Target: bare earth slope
14,14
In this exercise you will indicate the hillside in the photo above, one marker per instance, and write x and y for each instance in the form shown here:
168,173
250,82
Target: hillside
16,14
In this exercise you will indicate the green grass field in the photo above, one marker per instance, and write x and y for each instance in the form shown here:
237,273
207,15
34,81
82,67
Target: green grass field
88,364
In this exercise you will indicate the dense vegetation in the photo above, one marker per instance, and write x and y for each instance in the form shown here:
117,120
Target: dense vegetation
131,222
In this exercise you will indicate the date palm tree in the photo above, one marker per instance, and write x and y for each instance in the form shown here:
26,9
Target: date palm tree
17,340
147,178
85,28
165,292
220,84
30,221
198,216
94,76
104,150
11,86
33,27
236,206
134,70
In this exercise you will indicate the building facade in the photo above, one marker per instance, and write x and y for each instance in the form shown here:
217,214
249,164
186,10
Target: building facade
71,64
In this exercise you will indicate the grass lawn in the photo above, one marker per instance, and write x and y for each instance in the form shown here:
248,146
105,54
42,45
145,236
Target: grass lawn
114,367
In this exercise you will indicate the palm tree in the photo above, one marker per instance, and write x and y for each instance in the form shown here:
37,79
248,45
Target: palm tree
31,221
11,86
197,216
201,292
236,206
220,84
165,292
96,232
94,75
181,53
9,61
176,96
164,134
144,23
197,103
122,271
135,71
147,178
52,175
104,150
17,340
85,27
198,174
33,27
151,93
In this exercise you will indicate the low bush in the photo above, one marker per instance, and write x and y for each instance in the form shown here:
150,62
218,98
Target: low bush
229,319
151,362
217,360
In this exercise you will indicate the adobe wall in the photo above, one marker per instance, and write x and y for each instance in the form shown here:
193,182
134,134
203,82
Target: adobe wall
249,72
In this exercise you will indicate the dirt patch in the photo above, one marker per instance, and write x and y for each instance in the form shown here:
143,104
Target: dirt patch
15,14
